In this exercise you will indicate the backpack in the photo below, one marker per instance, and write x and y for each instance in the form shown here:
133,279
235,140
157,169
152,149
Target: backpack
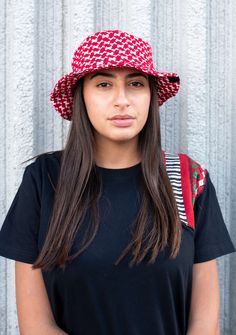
188,179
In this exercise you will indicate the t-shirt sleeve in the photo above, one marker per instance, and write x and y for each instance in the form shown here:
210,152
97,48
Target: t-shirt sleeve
212,239
19,232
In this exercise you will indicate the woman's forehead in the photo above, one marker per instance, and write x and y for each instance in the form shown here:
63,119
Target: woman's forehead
113,72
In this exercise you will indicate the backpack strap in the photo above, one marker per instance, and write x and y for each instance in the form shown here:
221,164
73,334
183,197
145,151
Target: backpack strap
187,179
173,169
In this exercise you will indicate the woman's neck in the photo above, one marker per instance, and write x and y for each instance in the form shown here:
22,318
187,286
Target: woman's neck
111,154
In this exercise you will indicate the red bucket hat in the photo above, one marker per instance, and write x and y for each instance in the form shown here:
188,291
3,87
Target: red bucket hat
109,49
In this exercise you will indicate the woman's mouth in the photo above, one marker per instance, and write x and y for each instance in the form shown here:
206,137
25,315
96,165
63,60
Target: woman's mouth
122,120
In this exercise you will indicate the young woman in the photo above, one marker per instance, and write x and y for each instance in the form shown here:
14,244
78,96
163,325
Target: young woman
111,235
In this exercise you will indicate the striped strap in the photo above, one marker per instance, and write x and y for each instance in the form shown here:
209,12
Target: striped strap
174,173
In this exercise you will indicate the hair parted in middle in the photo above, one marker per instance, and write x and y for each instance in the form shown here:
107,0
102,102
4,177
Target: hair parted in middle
78,189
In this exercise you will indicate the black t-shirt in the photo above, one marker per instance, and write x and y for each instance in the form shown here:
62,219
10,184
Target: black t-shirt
92,295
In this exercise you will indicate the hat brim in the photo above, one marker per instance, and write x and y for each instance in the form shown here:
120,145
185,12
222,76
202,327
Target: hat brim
168,84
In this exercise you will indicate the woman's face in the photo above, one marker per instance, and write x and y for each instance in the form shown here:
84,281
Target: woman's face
117,102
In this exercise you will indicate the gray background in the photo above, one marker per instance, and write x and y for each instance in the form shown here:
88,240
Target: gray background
195,38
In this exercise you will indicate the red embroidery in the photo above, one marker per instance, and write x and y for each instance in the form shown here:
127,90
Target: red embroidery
193,178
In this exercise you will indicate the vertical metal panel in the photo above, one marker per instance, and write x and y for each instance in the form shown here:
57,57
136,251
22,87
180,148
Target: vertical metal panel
3,292
231,302
194,38
219,99
18,125
48,67
166,50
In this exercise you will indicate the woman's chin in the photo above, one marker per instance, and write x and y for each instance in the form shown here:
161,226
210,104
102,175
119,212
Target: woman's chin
124,138
124,135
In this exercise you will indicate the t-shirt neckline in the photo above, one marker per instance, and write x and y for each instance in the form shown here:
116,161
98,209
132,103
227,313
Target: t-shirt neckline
119,173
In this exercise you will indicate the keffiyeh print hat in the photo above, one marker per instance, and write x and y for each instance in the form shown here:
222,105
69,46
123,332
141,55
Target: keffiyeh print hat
110,49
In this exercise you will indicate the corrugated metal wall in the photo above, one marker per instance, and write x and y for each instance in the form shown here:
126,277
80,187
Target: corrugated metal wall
195,38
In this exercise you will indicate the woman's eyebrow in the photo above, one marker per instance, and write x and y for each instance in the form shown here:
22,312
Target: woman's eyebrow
110,75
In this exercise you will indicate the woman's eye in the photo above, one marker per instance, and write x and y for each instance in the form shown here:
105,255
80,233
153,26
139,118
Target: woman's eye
104,84
134,83
137,84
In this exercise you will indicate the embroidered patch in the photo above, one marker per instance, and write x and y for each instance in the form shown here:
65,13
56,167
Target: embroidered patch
198,179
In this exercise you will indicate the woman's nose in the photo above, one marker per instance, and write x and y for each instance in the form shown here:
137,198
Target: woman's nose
121,99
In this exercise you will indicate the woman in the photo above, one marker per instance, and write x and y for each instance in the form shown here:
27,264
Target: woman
111,235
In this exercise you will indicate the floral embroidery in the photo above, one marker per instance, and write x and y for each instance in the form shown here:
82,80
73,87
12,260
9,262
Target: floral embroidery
198,180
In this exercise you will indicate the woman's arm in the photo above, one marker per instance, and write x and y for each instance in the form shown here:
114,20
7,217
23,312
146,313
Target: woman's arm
33,307
205,304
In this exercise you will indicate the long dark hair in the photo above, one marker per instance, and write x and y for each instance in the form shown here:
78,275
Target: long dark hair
79,187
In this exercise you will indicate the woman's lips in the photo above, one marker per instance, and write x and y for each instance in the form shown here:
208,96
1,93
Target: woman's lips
122,122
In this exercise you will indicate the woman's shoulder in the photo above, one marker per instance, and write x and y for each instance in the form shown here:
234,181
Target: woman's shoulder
181,156
44,167
192,173
48,159
185,161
